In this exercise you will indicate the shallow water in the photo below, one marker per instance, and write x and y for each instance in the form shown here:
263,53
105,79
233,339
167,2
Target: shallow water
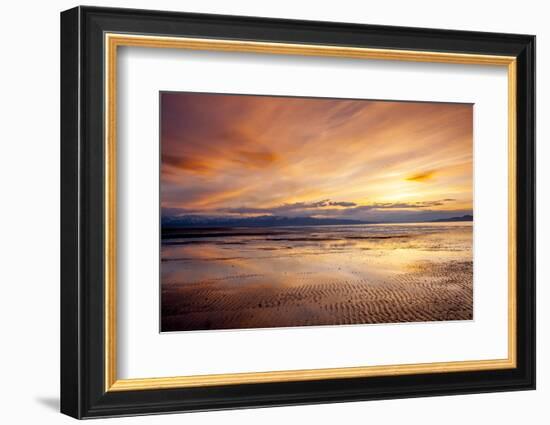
230,278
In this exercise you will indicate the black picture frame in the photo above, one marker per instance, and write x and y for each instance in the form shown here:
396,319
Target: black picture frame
83,392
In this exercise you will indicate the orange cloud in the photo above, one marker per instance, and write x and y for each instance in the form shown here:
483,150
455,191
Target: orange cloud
421,177
225,152
257,159
186,163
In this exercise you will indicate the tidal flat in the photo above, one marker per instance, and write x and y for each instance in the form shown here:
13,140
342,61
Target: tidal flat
265,277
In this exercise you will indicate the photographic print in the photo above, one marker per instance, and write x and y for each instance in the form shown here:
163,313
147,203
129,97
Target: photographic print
302,211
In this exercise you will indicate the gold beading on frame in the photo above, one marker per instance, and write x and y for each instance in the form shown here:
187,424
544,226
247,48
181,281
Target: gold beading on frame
113,41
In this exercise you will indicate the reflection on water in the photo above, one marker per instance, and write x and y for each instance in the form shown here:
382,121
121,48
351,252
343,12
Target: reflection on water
228,278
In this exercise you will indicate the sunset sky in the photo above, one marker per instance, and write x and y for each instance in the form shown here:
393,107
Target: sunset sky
242,156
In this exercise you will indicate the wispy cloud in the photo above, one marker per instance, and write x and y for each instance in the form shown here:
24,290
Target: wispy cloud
228,154
422,176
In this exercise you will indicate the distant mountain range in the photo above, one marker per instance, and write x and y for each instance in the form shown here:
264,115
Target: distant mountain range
463,218
261,221
190,221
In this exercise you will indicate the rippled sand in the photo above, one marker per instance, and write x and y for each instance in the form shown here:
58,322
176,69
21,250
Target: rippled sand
330,275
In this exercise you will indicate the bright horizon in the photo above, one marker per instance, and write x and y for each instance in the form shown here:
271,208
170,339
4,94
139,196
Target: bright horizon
246,156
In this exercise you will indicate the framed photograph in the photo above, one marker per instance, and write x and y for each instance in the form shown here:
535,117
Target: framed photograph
261,212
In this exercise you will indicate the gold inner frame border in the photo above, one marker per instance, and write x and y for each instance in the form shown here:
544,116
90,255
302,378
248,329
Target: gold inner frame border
111,43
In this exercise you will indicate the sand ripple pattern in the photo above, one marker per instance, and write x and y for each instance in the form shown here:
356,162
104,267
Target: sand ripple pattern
426,291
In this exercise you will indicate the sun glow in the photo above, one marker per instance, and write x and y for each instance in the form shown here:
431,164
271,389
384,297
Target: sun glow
287,156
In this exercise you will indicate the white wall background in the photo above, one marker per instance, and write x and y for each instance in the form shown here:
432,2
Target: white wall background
29,224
